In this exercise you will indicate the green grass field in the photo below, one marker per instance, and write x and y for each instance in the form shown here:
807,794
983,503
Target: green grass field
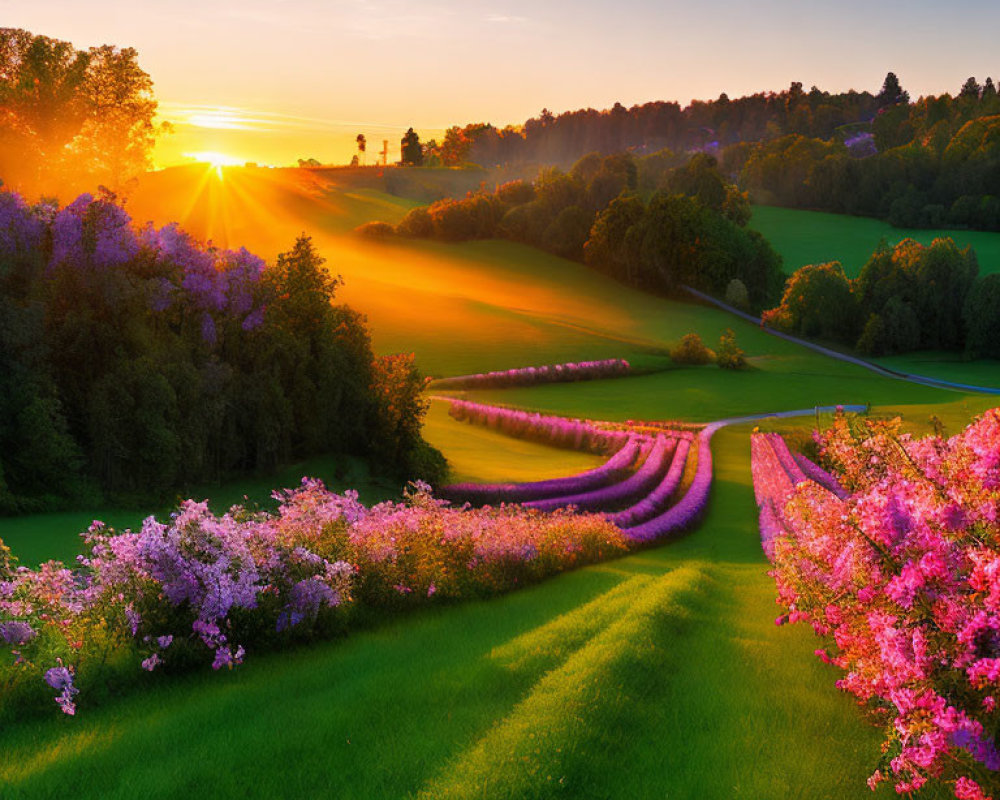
661,674
814,237
658,675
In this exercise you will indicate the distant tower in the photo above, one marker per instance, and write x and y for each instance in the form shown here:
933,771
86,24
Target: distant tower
385,152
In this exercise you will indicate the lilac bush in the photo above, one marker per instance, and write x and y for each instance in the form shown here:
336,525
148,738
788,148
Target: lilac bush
219,585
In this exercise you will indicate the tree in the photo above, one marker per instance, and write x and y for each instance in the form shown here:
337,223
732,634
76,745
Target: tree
729,355
982,318
362,146
818,301
411,153
892,93
691,350
70,116
971,90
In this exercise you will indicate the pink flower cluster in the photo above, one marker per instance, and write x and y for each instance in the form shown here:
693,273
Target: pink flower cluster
902,577
529,376
248,579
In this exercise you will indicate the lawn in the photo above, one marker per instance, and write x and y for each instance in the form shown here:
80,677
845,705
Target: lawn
814,237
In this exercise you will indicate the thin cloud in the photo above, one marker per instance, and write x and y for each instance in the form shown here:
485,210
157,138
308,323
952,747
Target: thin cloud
506,19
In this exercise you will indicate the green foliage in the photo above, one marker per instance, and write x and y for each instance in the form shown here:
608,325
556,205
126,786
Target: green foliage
819,301
729,355
411,153
377,231
736,294
691,350
982,318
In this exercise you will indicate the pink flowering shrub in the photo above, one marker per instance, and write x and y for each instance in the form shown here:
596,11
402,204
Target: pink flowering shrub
902,578
206,587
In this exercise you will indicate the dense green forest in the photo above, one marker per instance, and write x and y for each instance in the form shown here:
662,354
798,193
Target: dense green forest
135,362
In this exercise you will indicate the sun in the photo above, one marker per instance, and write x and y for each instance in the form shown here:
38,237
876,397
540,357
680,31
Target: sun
215,159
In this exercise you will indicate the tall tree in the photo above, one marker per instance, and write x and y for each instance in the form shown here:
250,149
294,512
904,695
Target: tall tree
362,146
892,93
411,153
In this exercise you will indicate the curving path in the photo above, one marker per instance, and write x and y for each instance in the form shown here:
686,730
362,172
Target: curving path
925,380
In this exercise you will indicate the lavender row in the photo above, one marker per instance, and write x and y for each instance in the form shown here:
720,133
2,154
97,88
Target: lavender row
611,471
574,434
528,376
690,508
651,471
816,473
655,502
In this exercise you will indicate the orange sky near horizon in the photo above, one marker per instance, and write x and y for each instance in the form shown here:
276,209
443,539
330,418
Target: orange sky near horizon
271,81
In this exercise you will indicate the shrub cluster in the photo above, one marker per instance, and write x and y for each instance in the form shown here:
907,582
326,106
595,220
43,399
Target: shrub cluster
906,298
135,360
204,588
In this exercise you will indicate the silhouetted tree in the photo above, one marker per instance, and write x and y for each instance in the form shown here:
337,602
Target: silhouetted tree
411,153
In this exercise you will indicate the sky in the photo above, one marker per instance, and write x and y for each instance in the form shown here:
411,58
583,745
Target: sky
272,81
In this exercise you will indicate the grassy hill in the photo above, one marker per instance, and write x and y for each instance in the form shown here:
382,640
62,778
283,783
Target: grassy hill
657,675
814,237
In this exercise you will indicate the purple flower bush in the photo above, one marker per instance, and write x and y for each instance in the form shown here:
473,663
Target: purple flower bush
690,507
209,587
531,376
901,578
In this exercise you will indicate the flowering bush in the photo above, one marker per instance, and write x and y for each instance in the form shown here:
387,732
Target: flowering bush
173,590
657,500
529,376
903,579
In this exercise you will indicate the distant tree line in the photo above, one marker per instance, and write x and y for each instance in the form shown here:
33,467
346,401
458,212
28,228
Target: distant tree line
927,163
136,362
691,230
910,297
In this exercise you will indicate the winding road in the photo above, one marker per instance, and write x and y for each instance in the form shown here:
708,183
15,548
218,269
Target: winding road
826,351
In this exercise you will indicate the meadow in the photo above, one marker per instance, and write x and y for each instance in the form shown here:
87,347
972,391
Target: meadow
657,674
815,237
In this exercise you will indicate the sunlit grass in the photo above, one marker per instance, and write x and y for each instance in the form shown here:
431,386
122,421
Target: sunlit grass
814,237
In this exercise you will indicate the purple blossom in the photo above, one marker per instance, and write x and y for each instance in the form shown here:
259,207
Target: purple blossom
16,633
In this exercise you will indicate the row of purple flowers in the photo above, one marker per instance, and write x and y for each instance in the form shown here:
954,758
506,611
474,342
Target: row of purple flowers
611,471
657,462
574,434
529,376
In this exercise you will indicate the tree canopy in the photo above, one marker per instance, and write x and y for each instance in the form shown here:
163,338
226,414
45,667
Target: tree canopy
70,118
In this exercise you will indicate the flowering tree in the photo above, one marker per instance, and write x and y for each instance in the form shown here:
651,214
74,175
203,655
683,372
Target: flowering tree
902,578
